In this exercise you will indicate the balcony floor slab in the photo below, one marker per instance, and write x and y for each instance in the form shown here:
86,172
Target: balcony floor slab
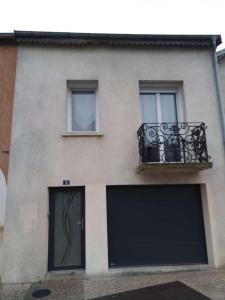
173,167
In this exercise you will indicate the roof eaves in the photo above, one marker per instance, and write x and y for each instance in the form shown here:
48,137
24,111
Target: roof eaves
7,38
221,54
68,38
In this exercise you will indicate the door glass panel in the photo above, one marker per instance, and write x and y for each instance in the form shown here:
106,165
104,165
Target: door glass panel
149,115
67,228
148,108
168,107
171,133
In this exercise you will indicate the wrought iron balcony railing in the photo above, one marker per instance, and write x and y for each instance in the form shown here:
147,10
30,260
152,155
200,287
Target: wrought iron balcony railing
172,142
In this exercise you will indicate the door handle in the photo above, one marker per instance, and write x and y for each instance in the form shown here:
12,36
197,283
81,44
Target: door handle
81,222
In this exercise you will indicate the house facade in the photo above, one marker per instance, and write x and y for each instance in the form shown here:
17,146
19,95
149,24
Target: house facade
117,155
7,81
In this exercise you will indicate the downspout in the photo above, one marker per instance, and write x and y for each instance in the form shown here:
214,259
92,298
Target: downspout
218,88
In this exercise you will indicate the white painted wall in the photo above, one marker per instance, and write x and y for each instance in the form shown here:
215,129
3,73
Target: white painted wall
3,191
42,157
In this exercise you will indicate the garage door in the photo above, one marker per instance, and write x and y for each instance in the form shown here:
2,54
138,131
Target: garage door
155,225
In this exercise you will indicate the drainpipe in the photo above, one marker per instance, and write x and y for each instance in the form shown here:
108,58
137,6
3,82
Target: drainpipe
218,88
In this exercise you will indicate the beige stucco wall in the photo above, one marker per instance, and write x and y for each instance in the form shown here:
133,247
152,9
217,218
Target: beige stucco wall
41,157
222,76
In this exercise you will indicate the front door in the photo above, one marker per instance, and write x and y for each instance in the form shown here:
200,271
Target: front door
66,228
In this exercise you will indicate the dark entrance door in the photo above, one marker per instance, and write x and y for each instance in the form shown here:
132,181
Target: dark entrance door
66,228
155,225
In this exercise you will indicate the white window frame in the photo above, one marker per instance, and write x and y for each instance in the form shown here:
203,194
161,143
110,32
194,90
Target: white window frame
158,89
82,86
164,90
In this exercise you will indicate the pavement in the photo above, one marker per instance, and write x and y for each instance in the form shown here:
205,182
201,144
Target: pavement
209,282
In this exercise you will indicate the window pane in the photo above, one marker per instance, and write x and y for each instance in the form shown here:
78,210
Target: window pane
148,108
168,107
172,149
83,111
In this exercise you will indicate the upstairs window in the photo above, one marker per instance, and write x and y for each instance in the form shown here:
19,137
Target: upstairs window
83,107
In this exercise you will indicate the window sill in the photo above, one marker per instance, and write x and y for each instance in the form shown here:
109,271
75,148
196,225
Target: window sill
82,134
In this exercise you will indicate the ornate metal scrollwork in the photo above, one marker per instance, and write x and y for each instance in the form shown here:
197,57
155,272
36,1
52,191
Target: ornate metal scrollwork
172,142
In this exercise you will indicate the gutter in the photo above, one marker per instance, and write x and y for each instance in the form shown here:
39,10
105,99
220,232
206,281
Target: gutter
218,88
73,38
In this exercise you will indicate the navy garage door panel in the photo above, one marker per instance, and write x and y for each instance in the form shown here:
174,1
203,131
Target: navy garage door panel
155,225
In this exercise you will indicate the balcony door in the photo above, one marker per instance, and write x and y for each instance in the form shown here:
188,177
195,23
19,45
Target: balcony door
159,107
161,110
66,228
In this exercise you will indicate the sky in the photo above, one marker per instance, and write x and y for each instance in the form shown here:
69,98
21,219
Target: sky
115,16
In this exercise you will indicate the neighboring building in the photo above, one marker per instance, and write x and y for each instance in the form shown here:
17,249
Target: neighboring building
221,60
7,81
110,164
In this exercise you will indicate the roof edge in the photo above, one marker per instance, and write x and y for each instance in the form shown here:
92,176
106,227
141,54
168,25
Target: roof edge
221,53
7,38
67,38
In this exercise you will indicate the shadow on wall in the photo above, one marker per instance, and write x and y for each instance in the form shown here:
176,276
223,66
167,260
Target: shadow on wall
3,190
